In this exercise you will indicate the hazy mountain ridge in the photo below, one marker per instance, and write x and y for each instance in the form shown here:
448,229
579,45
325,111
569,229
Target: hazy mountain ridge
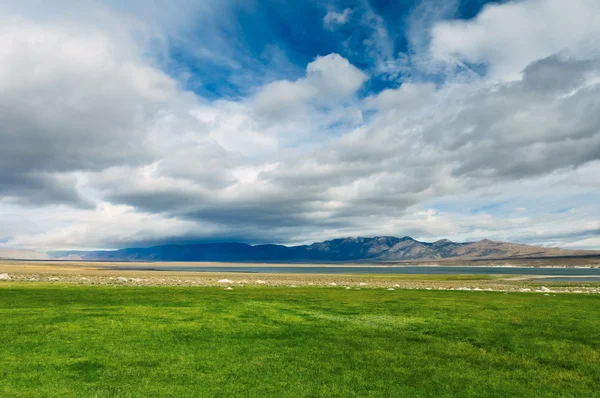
358,249
23,254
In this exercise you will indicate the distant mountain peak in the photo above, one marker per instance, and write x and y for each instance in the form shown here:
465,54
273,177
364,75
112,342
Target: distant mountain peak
350,249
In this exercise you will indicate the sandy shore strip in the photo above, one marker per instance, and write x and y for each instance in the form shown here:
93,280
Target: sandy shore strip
92,274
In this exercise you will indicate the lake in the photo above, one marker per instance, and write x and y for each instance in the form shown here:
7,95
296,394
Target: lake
422,270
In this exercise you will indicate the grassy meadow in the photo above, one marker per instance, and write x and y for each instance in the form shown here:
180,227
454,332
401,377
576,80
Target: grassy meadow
127,341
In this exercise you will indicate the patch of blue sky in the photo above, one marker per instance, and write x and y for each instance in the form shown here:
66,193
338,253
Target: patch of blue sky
468,9
562,210
274,39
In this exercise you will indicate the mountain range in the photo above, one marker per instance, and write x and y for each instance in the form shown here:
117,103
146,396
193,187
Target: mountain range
358,249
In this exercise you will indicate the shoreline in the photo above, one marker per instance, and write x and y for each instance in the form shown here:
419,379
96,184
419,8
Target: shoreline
71,274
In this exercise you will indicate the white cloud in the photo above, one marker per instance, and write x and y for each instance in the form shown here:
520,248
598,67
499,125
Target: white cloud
328,78
280,97
508,37
334,19
60,228
71,99
407,98
89,120
334,77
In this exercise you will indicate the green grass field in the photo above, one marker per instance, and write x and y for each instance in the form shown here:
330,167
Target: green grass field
83,341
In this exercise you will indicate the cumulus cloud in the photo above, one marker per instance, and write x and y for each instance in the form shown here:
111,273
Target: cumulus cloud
508,37
334,76
328,78
71,100
467,141
101,147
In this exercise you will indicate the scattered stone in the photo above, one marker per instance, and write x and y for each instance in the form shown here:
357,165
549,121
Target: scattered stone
261,282
478,289
523,290
122,279
333,284
4,277
362,284
545,289
395,285
225,281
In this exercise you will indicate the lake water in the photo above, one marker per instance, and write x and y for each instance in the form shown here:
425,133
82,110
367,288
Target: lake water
418,270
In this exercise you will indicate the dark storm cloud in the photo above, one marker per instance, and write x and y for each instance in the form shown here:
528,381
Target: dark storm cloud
40,189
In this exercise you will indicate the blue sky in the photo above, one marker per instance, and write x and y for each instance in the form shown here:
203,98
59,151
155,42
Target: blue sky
131,123
271,40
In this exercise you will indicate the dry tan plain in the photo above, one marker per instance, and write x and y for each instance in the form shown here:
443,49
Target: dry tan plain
100,273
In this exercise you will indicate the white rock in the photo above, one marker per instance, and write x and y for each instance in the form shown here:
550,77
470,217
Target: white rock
4,277
229,288
261,282
333,284
395,285
391,288
225,281
523,290
362,284
478,289
122,279
54,279
348,288
545,289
